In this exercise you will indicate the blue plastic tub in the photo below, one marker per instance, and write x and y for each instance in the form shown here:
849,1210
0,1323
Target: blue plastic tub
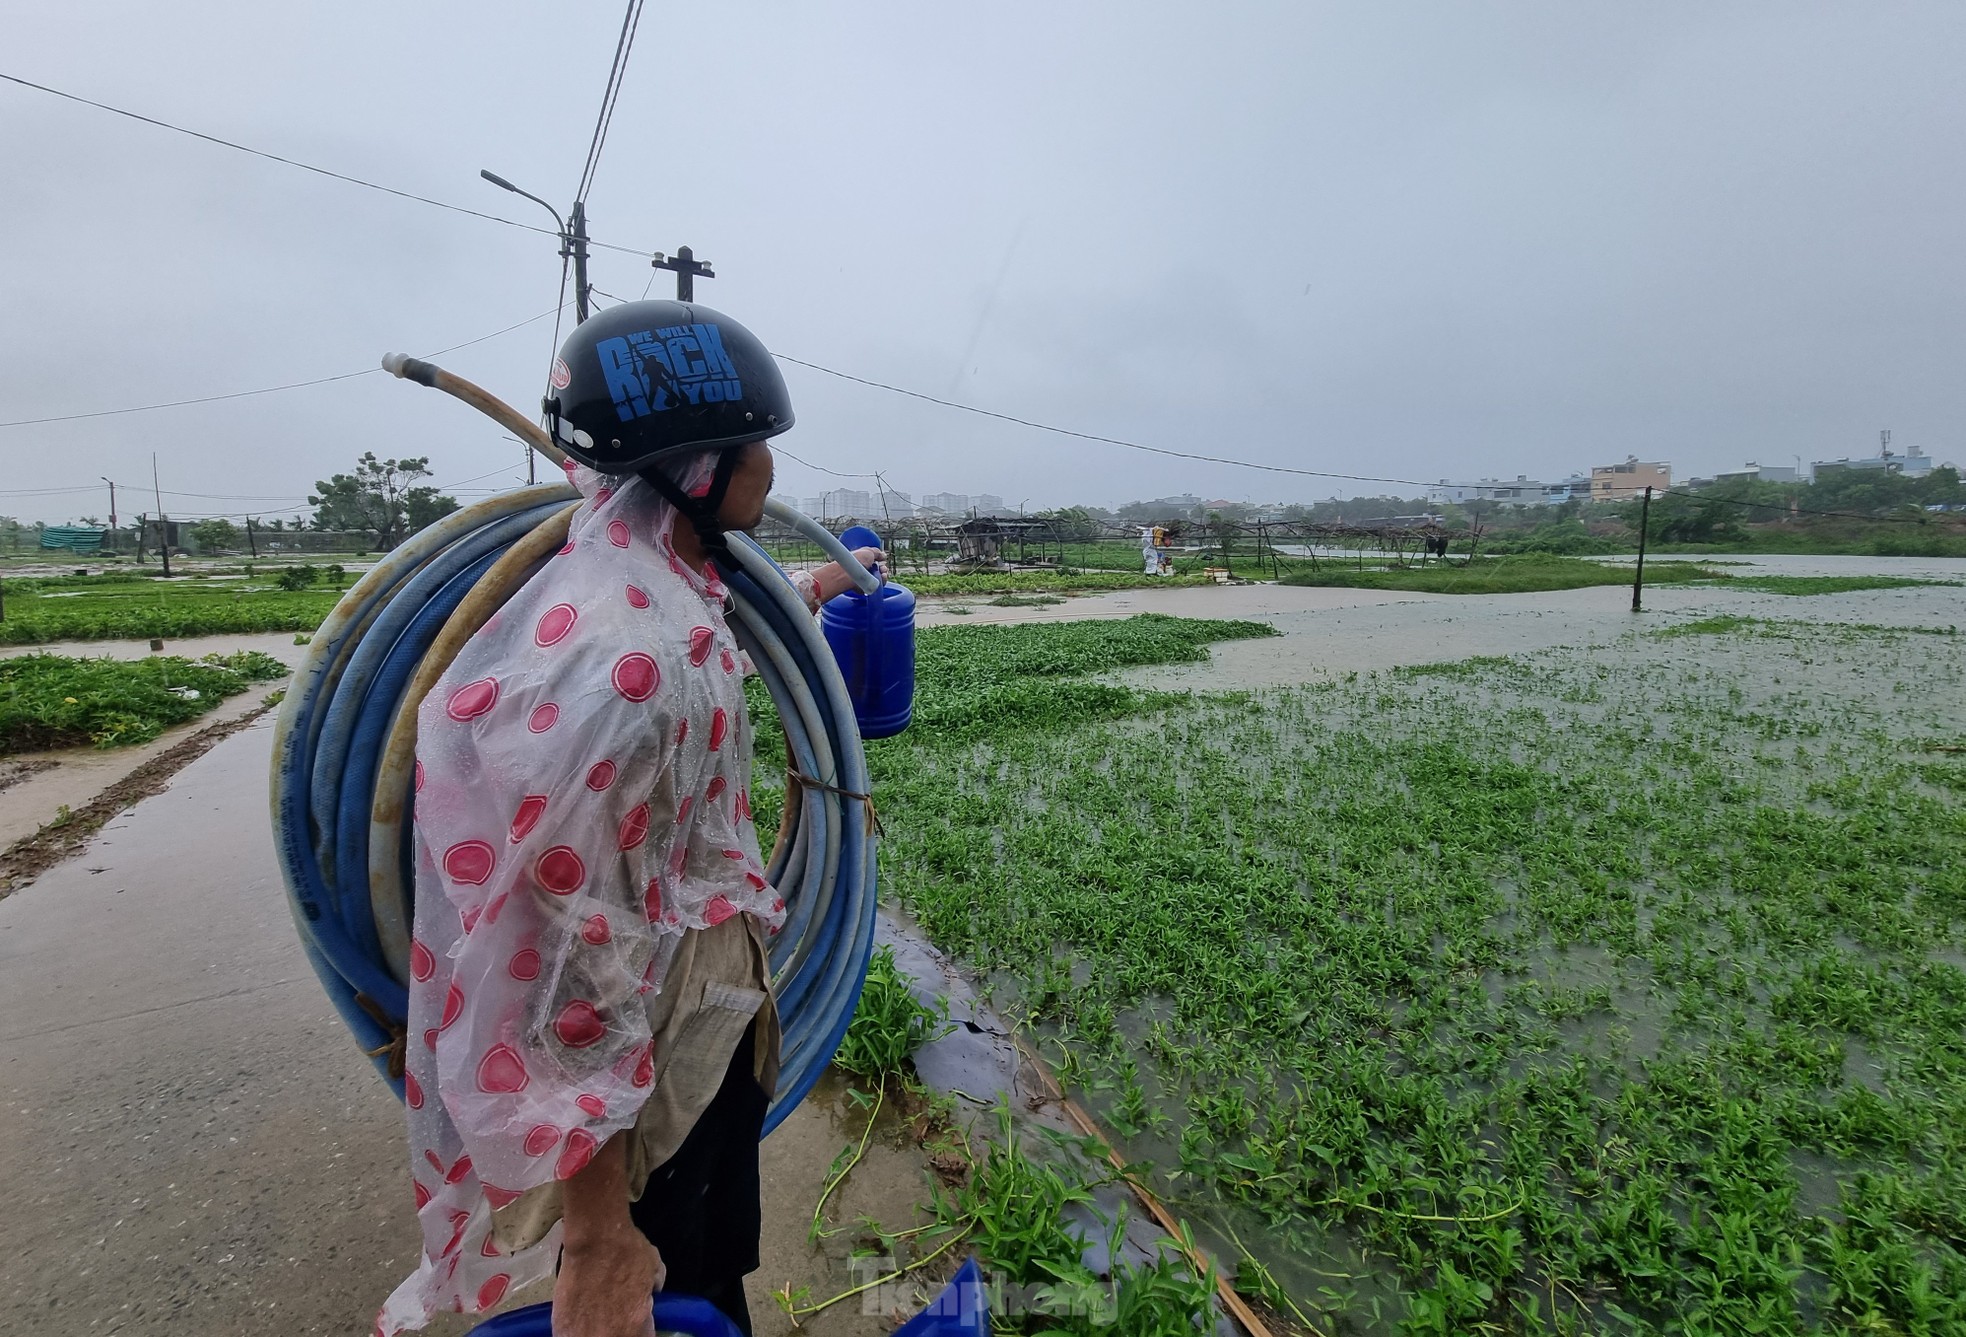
685,1315
961,1310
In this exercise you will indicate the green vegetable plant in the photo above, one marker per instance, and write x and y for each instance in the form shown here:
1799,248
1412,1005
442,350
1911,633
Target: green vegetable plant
1584,991
51,701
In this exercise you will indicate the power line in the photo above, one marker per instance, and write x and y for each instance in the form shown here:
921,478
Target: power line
265,389
778,449
1251,464
630,21
295,162
181,403
1091,436
224,496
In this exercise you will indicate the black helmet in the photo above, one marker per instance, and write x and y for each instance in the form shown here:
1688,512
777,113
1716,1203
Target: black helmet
645,380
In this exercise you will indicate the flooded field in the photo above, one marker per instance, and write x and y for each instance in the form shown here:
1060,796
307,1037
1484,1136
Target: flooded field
1498,964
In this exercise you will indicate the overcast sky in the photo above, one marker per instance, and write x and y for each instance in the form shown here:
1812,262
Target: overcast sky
1411,240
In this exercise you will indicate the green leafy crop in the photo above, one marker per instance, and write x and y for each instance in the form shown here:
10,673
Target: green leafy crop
1589,991
49,701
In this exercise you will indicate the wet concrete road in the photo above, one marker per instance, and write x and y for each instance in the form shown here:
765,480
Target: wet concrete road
192,1137
192,1142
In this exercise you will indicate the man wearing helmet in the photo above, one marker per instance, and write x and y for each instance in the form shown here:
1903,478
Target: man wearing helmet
593,1041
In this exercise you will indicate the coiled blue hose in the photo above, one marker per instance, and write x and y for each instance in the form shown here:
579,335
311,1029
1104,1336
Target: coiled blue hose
350,901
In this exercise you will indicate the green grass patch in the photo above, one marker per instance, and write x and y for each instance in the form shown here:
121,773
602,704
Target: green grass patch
1827,584
1818,633
1498,575
1719,625
49,701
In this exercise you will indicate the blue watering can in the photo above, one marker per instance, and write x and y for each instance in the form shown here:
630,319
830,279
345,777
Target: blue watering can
873,639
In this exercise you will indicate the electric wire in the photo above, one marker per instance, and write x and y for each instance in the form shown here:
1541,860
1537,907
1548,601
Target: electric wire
778,448
272,389
1093,436
1246,464
303,166
624,44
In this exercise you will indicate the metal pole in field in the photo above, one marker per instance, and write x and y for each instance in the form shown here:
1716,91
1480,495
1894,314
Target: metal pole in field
251,542
163,522
1638,575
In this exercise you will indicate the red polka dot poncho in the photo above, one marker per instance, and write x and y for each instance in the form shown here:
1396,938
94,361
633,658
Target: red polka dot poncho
583,777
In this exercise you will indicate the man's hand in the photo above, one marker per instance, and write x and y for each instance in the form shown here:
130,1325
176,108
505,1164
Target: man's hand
608,1269
832,578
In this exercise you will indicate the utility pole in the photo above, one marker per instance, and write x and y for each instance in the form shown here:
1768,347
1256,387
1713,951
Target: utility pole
575,246
251,543
112,499
163,522
1644,523
687,268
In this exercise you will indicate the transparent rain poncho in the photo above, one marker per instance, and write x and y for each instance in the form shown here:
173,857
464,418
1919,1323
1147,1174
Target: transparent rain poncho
582,800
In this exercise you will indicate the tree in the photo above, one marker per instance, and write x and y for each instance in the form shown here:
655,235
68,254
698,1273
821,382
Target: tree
425,505
377,498
1678,518
212,535
1071,524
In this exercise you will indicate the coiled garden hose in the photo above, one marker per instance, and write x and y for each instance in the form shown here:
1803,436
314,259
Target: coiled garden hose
345,745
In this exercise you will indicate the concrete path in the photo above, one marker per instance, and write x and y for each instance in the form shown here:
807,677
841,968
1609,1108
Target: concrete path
192,1142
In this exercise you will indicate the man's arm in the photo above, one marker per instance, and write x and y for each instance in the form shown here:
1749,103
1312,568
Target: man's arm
609,1269
831,580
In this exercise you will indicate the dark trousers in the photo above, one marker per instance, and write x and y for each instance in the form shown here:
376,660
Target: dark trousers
701,1206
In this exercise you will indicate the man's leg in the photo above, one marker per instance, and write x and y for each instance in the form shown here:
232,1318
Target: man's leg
701,1207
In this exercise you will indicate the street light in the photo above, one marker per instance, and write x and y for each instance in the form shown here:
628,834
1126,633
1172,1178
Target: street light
573,239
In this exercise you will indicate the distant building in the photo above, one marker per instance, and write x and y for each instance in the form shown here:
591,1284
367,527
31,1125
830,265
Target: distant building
842,501
986,504
948,503
1622,482
1914,463
1577,487
1522,492
1187,501
1757,473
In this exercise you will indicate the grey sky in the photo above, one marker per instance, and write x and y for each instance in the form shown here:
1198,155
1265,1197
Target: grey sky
1414,240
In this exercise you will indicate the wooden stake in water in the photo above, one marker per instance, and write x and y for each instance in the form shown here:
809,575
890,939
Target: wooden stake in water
1638,576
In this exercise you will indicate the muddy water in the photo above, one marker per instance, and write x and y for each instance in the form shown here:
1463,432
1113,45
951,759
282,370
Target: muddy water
1351,631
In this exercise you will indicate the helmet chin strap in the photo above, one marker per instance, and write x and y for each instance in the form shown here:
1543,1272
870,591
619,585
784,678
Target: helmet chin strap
702,512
